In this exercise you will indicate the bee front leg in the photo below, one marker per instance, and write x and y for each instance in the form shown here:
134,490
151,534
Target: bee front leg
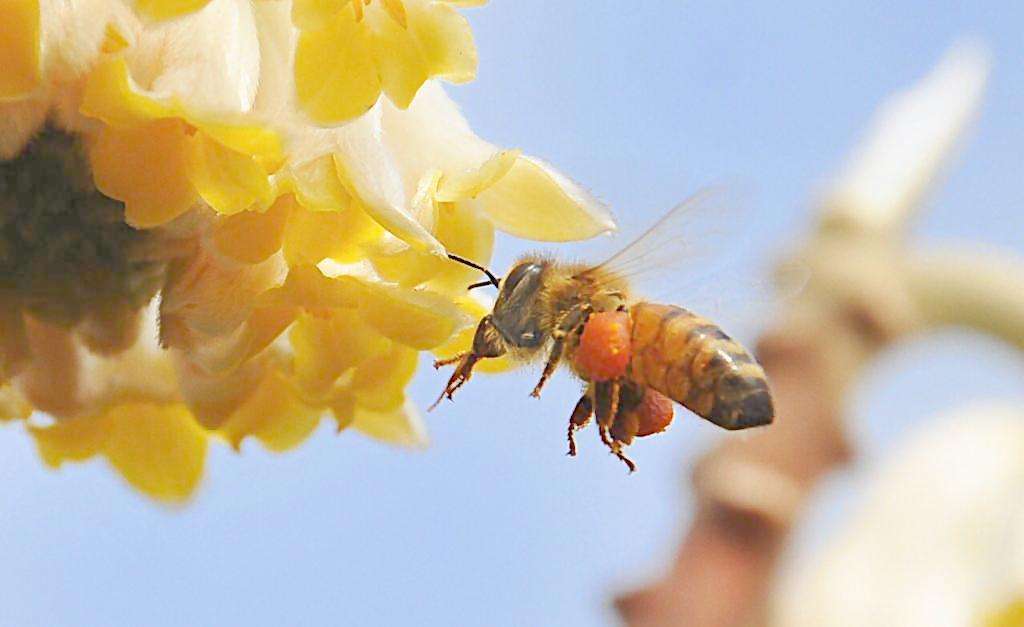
487,342
568,323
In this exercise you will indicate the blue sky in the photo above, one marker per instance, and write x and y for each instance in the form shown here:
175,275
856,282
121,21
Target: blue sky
643,102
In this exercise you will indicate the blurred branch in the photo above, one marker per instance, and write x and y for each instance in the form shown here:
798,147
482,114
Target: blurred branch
866,291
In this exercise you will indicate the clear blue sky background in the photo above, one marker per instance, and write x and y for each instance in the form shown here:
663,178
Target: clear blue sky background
644,102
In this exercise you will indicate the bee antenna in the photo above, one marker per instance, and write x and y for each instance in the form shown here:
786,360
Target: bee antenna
480,284
491,279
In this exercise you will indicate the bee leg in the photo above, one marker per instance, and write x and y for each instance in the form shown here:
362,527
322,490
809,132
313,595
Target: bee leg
487,342
458,379
606,404
438,363
625,426
569,322
615,448
580,417
549,368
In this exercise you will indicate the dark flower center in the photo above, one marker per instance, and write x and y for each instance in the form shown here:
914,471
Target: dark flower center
65,250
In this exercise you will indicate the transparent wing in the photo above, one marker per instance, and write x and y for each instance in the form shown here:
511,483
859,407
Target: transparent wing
711,254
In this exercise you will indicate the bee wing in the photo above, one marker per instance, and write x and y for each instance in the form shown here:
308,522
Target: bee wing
704,252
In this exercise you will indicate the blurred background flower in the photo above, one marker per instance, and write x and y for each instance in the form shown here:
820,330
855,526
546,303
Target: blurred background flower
938,538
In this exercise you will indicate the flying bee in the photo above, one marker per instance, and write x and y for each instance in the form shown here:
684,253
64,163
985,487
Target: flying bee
633,356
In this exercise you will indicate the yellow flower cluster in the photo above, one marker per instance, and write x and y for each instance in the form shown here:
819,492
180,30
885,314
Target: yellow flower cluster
213,224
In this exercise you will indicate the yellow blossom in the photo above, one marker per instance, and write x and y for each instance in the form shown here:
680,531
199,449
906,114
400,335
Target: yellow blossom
352,50
185,256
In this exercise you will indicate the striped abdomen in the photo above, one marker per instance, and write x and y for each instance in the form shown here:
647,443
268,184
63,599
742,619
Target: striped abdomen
693,362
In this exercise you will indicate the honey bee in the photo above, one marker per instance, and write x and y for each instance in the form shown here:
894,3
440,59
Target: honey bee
632,355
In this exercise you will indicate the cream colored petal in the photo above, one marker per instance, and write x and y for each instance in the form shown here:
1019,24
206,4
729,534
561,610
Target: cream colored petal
535,201
72,34
209,59
213,397
19,121
275,95
432,134
403,426
912,136
366,165
209,296
527,198
65,379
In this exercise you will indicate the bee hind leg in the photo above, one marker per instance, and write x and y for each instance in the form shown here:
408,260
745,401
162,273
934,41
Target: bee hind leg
616,448
580,417
606,406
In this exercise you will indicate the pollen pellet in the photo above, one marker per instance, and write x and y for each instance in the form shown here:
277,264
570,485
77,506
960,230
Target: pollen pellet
654,413
605,347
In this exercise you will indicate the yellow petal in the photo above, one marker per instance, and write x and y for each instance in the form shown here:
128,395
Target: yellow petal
402,426
343,409
275,414
227,180
263,327
167,9
336,78
313,14
1010,615
445,40
72,440
379,383
396,10
312,236
19,48
262,144
459,226
13,405
110,96
416,318
158,449
114,40
327,346
403,70
146,168
465,232
365,176
437,42
307,287
407,267
535,202
317,187
251,236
